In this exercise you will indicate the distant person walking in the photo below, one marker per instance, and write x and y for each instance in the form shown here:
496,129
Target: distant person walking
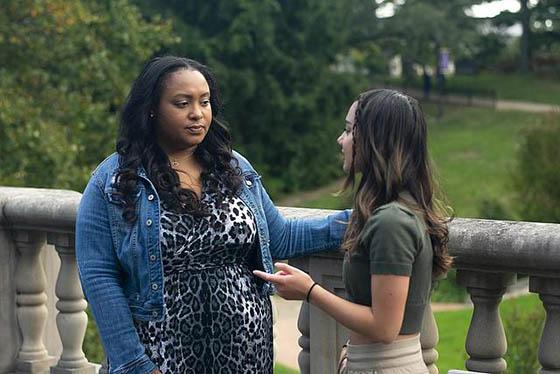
396,239
426,84
441,84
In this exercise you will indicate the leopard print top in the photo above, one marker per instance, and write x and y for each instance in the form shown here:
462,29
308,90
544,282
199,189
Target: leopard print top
215,319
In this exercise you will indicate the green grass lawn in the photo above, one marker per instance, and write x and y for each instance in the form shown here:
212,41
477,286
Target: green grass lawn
281,369
515,87
474,153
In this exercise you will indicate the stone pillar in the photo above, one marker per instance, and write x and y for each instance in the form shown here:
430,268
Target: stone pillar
549,347
31,297
429,338
429,335
486,340
303,341
322,337
72,318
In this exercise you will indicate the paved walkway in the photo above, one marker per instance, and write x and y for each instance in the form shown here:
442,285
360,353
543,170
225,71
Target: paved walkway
486,102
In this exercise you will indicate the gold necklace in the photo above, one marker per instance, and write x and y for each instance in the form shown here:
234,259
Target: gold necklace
176,162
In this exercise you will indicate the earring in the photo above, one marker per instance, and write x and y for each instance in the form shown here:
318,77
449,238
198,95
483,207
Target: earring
152,115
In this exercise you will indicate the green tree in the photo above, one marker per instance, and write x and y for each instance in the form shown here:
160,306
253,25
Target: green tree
419,29
540,22
274,60
65,68
536,178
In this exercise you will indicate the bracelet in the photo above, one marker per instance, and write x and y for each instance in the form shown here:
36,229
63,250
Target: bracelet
309,292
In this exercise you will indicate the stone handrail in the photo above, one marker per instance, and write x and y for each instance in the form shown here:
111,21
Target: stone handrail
488,257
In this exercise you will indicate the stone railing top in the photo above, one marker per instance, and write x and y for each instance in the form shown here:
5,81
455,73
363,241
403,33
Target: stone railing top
514,246
508,246
39,209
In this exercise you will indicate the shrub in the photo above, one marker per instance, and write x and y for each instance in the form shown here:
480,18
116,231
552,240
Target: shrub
523,332
537,178
494,209
448,291
92,343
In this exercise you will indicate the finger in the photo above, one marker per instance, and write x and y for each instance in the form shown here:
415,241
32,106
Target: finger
285,267
274,278
262,274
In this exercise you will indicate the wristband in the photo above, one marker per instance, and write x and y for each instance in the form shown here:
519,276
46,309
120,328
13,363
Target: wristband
309,292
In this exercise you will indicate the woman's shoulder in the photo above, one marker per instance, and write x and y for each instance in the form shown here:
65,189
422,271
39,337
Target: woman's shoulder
393,210
106,168
393,225
392,216
243,163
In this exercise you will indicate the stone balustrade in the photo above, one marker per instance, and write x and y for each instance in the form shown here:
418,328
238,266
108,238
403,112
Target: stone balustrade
488,257
31,219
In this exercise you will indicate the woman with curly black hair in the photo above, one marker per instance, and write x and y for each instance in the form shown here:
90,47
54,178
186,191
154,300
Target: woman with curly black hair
396,239
170,227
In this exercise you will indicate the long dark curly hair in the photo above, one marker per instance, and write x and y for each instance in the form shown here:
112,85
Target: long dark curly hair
137,146
391,153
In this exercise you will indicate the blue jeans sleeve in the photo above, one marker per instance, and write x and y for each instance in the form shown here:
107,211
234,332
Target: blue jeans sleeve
100,276
297,237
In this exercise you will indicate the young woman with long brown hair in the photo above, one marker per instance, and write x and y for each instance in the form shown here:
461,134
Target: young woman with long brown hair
396,240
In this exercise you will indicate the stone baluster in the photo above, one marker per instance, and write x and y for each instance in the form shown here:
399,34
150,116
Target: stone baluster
486,340
549,347
72,319
429,338
429,335
304,356
31,297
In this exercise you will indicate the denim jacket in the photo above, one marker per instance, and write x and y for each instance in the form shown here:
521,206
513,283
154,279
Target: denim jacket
120,263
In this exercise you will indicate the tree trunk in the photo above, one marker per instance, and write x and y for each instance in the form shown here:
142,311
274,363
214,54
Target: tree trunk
525,36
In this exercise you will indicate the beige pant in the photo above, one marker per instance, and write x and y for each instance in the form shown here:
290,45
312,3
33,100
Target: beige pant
400,357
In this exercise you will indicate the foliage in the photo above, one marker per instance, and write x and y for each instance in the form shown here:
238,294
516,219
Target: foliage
523,331
92,342
448,291
65,68
487,52
274,60
536,178
541,28
419,29
494,209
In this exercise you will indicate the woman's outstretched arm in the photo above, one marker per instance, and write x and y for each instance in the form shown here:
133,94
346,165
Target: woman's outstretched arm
380,322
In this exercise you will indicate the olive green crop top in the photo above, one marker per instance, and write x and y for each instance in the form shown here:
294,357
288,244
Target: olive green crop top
394,241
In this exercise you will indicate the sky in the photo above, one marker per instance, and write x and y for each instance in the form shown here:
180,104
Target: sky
491,9
486,9
483,10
